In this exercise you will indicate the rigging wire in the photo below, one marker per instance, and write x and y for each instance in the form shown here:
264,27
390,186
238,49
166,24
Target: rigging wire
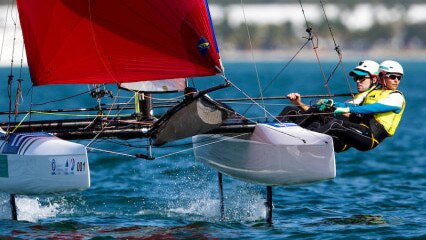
18,94
314,47
111,108
314,40
308,39
108,151
281,71
126,144
250,98
338,51
108,123
1,52
254,101
252,58
261,92
10,77
60,99
4,30
286,65
203,145
100,111
170,154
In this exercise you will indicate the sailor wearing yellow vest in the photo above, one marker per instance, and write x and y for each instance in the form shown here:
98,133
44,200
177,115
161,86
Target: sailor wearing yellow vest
365,76
378,115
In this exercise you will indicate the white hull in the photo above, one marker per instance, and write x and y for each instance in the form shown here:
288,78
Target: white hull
39,163
274,154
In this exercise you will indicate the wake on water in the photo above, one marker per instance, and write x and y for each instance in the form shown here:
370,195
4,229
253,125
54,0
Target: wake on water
247,204
29,209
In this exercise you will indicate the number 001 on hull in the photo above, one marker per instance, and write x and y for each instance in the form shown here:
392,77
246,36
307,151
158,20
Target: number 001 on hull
40,163
273,154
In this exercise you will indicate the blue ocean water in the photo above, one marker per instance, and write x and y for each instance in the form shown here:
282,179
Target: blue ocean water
375,195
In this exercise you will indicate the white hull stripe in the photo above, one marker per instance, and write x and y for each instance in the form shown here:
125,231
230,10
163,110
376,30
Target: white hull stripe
20,142
27,143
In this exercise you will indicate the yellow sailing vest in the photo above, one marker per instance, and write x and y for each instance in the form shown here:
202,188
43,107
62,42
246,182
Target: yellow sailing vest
359,98
389,120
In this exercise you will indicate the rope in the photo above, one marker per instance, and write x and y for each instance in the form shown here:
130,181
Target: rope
60,99
19,124
112,152
17,97
285,66
166,155
252,57
315,47
203,145
125,144
310,38
78,115
338,51
272,116
281,71
251,99
113,102
19,89
4,30
107,124
14,41
10,78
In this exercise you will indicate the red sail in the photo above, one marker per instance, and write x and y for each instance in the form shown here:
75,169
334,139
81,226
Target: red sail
112,41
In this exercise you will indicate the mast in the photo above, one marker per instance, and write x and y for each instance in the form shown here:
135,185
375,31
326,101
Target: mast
144,106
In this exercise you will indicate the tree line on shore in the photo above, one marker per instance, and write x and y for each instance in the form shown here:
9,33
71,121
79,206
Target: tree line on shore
394,35
276,37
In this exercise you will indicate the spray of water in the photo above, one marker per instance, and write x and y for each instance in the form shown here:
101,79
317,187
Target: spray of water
32,209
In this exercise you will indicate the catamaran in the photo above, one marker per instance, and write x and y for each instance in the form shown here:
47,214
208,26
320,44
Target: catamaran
146,47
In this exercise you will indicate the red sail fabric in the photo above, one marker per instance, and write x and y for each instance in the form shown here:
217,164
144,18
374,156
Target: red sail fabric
112,41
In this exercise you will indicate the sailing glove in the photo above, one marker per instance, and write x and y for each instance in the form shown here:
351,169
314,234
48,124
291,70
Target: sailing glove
340,111
323,104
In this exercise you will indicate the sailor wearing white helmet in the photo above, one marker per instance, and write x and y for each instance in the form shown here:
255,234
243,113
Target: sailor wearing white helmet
365,75
378,115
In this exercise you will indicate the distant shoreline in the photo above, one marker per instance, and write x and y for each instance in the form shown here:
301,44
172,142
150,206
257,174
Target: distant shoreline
349,55
306,55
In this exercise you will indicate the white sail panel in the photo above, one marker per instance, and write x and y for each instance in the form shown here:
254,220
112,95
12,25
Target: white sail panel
168,85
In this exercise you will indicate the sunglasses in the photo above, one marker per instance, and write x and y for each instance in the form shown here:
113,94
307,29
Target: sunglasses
393,76
360,78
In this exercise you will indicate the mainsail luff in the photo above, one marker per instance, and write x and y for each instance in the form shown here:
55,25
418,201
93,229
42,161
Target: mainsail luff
113,41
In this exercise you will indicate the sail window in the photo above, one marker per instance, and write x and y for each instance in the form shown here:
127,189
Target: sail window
203,46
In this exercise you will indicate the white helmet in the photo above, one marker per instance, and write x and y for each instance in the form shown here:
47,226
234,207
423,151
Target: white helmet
390,66
366,67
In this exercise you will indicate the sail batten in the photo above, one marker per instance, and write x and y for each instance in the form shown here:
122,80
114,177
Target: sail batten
115,41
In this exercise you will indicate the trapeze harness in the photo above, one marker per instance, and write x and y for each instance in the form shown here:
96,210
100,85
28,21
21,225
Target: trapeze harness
365,131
